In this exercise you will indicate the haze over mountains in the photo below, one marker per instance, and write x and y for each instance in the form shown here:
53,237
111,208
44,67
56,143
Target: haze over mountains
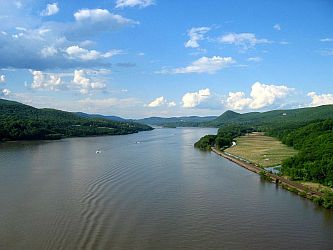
291,116
231,117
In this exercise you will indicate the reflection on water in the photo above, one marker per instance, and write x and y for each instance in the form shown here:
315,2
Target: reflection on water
160,193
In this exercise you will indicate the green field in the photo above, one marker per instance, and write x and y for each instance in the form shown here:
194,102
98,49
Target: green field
262,150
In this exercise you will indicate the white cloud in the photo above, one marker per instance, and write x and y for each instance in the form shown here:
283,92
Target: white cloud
172,104
42,44
48,51
51,9
133,3
100,16
84,80
323,99
238,101
90,22
244,40
76,52
43,80
262,95
202,65
196,35
86,84
254,59
159,101
326,40
2,78
5,92
193,99
277,27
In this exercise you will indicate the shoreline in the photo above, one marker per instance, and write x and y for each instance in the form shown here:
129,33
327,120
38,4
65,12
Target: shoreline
285,183
71,137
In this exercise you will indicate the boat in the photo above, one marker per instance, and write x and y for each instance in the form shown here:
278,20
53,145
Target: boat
98,151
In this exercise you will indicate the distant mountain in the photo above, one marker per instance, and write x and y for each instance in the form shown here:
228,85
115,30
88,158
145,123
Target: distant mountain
109,117
290,116
23,122
183,121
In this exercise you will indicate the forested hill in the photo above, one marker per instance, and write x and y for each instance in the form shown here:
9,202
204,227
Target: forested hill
308,130
292,116
108,117
22,122
183,121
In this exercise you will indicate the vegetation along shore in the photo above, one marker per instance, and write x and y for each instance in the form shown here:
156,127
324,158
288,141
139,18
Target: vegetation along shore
299,140
23,122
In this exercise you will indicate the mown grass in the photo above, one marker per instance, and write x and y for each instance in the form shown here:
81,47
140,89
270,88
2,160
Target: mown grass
262,150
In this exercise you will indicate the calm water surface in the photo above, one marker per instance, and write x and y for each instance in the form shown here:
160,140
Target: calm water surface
150,190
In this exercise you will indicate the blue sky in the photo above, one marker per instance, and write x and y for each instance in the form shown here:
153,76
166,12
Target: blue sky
139,58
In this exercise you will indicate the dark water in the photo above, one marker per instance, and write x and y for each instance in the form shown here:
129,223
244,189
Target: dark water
158,194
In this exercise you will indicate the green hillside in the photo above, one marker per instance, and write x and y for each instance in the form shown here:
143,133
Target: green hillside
308,130
183,121
291,116
23,122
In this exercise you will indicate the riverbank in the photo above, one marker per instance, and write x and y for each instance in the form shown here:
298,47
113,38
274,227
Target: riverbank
284,182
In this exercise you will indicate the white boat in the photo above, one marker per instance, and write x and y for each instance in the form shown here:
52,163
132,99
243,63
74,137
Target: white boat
98,151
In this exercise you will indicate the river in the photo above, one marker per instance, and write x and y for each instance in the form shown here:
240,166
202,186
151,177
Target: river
151,190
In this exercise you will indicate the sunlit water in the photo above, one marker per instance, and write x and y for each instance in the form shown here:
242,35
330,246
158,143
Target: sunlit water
150,190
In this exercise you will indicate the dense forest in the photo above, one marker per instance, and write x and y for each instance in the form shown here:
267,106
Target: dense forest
311,134
224,137
265,120
314,161
172,122
23,122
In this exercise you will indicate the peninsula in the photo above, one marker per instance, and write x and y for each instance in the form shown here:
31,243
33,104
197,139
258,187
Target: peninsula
305,159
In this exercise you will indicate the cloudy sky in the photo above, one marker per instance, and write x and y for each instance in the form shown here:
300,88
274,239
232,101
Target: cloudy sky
139,58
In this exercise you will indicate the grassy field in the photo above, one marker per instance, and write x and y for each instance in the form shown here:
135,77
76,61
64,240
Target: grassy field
262,150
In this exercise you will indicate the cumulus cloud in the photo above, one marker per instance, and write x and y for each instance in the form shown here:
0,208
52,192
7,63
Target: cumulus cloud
322,99
2,78
51,9
133,3
243,40
42,80
86,84
43,45
5,92
76,52
262,95
196,35
172,104
204,64
90,22
48,51
160,101
100,16
84,80
193,99
277,27
238,101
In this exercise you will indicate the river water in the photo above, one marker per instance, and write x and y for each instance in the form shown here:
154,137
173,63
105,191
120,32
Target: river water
150,190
